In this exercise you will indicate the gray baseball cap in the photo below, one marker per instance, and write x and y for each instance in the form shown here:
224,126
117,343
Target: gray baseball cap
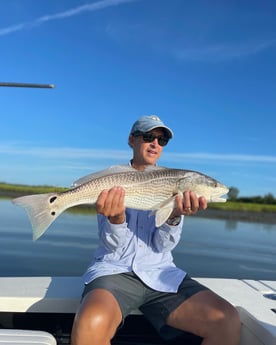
149,122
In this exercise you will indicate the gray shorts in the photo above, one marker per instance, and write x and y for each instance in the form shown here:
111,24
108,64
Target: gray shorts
132,294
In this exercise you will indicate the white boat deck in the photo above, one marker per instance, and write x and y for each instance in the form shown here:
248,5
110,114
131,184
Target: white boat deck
62,295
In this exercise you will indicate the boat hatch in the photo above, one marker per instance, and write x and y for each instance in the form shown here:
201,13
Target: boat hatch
270,296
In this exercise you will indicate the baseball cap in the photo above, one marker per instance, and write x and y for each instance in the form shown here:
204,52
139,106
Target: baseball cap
147,123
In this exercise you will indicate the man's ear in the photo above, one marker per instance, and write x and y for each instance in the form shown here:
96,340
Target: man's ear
131,140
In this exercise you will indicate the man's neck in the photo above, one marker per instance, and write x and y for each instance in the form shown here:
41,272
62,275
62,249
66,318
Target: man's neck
139,166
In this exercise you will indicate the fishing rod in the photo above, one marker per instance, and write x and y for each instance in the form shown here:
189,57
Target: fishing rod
33,85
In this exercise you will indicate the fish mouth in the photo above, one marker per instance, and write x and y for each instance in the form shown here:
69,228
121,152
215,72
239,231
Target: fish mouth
217,199
220,196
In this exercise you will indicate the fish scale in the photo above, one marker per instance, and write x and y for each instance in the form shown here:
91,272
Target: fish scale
142,190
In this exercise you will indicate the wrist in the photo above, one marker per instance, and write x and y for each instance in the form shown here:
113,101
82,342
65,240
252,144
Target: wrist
174,221
117,219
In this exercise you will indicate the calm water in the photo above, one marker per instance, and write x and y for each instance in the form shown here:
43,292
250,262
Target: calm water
209,248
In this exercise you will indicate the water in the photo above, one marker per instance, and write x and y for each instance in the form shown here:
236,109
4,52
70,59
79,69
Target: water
208,248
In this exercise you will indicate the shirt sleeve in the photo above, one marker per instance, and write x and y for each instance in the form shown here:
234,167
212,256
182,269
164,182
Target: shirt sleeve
166,237
113,236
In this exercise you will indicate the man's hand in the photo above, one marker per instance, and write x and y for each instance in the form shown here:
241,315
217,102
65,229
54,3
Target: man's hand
188,204
110,203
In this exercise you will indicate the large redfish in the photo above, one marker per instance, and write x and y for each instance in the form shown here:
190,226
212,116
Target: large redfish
153,189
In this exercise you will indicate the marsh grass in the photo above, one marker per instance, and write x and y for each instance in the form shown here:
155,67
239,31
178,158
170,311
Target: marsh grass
242,206
15,190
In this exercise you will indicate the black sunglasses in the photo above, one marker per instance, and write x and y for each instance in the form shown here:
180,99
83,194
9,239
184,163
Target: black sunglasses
149,138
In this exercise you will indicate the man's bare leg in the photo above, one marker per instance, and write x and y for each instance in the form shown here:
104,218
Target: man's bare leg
97,319
208,316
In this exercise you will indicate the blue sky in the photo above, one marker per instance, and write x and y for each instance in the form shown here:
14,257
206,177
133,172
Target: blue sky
207,68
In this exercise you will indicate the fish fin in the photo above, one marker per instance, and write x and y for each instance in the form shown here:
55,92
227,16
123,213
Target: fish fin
111,170
41,210
164,210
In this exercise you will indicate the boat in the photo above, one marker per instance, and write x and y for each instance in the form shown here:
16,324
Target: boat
42,310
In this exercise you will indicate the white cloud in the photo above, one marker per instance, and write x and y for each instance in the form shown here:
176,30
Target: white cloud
86,153
221,157
65,14
23,163
223,51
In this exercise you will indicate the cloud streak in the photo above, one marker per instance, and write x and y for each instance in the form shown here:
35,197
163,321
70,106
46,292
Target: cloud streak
100,5
185,52
79,153
223,157
26,164
223,51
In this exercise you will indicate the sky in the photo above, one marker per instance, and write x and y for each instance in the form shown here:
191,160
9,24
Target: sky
206,68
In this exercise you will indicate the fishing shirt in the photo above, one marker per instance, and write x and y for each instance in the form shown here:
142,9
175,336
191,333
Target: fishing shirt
138,245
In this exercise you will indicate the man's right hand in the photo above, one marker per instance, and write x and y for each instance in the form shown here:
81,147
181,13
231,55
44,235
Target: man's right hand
111,204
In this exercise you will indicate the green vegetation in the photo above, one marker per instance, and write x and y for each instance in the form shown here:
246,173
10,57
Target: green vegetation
243,206
10,191
267,199
14,190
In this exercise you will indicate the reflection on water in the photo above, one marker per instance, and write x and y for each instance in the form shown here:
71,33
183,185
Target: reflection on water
208,248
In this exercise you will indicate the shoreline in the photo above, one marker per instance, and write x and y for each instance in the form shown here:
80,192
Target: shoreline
245,216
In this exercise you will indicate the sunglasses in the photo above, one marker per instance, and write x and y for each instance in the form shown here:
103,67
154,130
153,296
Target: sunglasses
149,138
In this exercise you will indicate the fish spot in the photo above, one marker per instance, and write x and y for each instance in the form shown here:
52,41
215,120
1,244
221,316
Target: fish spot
53,213
53,198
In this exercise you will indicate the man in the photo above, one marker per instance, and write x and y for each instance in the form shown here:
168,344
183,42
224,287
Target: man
133,266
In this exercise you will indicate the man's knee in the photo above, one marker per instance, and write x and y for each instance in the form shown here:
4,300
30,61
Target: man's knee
97,325
226,320
232,317
99,319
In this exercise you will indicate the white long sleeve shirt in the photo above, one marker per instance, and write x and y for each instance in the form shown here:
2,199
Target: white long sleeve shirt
138,245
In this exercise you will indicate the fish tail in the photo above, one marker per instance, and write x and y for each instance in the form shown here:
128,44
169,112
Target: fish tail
42,210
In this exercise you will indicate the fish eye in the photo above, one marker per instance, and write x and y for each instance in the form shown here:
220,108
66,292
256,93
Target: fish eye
53,198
